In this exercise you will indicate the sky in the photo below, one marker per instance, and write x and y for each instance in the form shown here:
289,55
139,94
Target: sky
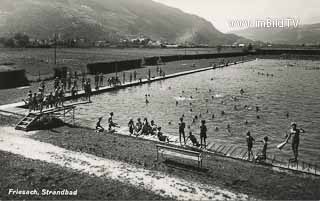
221,12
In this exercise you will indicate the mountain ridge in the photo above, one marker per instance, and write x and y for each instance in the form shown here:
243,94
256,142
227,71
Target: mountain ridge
107,19
304,34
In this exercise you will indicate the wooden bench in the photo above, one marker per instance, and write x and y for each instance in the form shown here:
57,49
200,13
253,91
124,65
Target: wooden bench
179,152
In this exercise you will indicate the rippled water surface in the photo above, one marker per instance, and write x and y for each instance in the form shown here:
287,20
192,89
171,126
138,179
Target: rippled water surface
294,90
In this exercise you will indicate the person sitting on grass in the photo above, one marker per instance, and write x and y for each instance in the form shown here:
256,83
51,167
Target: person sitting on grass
161,137
138,127
131,126
146,129
111,123
193,139
153,127
99,128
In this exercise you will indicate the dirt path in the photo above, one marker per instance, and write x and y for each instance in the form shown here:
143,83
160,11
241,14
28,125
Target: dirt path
17,142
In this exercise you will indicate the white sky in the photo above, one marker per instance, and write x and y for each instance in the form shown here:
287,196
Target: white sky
220,12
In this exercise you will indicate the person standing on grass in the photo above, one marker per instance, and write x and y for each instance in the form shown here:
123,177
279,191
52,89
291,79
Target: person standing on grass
135,75
96,81
101,77
203,134
123,77
250,141
182,126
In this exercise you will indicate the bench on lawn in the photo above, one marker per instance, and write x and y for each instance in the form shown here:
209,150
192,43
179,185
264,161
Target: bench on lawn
179,152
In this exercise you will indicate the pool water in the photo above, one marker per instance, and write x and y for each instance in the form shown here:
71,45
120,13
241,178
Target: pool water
294,90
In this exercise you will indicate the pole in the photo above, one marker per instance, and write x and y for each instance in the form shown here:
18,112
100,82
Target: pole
55,49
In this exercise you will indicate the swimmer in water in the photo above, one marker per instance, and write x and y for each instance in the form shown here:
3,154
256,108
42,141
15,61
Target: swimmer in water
257,109
177,103
216,128
228,127
241,91
222,112
147,101
258,117
212,116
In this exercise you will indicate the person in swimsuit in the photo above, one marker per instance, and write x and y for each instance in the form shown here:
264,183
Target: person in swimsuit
111,123
99,128
131,126
203,134
138,126
161,137
250,141
262,157
295,134
182,126
193,139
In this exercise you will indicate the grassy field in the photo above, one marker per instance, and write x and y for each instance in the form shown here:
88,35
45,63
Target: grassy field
18,172
41,61
260,182
256,181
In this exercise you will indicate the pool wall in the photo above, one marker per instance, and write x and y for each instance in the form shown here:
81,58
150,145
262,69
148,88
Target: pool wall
111,67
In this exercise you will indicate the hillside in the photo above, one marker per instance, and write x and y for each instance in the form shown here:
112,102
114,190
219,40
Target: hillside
106,19
305,34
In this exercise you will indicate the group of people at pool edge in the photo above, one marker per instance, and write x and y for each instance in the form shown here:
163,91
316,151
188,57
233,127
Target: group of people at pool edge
146,128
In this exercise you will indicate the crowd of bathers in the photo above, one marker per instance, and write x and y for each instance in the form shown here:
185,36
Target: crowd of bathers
39,100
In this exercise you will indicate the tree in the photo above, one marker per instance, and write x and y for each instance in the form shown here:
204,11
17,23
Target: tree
21,40
250,47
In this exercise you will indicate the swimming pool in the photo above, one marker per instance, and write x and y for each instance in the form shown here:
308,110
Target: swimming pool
293,90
